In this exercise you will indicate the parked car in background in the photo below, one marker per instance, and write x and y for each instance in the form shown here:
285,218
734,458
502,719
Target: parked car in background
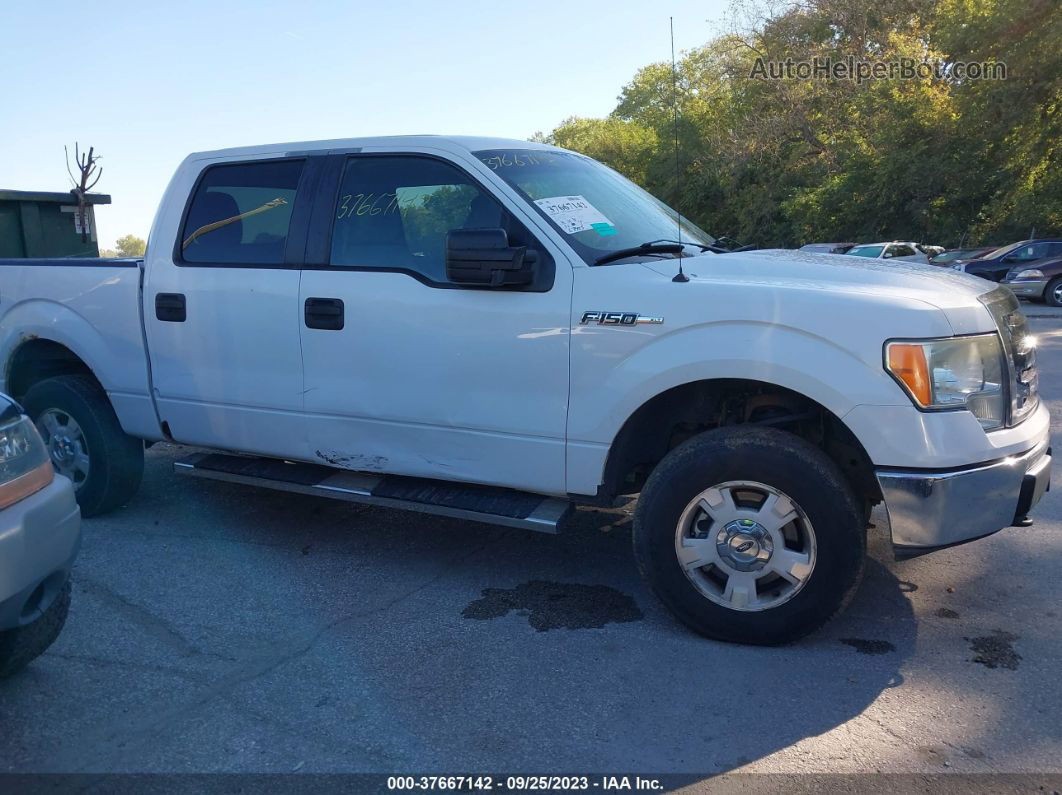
953,255
1037,281
997,263
930,251
906,251
827,248
40,530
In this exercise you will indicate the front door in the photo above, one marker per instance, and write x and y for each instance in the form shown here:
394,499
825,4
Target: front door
405,373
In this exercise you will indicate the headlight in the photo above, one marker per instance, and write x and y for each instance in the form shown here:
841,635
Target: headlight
959,268
24,464
952,373
1030,273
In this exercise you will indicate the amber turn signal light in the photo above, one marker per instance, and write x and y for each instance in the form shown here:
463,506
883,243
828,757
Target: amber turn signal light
25,485
907,361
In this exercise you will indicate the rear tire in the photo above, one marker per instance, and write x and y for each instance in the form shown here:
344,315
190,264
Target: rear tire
770,534
1053,292
105,463
20,646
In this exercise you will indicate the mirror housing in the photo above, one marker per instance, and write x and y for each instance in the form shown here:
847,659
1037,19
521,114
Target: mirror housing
484,258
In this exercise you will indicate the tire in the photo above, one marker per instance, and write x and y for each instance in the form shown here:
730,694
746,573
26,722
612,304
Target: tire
1053,292
732,469
20,646
115,460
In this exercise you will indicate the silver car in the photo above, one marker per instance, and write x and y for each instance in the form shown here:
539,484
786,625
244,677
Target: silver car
896,249
40,532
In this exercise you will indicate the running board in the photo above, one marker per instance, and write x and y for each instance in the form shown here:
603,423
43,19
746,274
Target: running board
488,504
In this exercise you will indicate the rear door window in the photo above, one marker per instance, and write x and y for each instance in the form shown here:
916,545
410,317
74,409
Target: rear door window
241,213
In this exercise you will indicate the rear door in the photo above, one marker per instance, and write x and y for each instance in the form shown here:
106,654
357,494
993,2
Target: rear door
221,308
409,374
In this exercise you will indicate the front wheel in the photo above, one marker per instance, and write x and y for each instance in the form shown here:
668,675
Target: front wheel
1053,292
750,535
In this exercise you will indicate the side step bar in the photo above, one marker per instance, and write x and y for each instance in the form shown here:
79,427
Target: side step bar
488,504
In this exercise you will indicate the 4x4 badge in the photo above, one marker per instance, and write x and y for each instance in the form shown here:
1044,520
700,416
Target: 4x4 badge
618,319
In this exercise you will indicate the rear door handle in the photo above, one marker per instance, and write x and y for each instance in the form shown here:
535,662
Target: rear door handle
324,313
170,307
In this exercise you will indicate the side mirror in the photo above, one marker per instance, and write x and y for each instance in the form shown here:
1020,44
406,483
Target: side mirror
484,258
886,255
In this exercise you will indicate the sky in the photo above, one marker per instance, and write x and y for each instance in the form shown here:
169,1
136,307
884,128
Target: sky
146,83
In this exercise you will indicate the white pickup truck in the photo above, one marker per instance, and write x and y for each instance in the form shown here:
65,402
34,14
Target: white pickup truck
498,330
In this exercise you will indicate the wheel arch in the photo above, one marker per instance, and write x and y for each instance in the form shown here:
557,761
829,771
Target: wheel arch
37,358
670,417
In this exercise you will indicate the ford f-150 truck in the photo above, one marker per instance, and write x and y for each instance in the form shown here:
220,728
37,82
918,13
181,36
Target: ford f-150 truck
498,330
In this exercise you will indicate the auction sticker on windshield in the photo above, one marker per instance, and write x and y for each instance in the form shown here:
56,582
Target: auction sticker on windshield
575,214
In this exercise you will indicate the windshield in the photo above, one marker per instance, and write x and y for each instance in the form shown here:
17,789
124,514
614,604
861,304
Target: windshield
865,251
999,252
948,256
597,210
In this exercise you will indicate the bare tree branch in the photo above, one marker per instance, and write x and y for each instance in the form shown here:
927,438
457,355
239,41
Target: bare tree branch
87,165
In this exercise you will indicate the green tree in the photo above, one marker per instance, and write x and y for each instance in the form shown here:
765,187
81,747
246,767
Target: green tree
620,143
783,162
130,246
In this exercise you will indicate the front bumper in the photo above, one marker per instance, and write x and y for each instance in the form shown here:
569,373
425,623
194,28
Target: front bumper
39,539
1027,289
932,509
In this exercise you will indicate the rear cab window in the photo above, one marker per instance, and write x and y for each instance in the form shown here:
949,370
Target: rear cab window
240,214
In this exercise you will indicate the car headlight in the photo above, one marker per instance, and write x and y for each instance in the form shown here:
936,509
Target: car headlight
1029,273
952,373
960,267
25,467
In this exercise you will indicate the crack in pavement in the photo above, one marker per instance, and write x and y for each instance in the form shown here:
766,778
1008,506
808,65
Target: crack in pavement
154,625
218,539
339,745
103,662
112,742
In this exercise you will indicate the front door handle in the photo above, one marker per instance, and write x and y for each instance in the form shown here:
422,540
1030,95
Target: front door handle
170,307
324,313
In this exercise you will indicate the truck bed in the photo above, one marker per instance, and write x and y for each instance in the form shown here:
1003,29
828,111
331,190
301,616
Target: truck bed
91,306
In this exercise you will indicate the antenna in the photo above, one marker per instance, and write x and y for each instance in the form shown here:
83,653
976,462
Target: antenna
680,276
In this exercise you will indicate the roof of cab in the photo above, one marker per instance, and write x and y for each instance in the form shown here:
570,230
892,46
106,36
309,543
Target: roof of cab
469,143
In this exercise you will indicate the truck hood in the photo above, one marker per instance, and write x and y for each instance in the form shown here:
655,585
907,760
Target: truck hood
952,292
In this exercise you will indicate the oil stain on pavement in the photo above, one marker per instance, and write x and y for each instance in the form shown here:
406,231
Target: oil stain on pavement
869,646
995,650
556,605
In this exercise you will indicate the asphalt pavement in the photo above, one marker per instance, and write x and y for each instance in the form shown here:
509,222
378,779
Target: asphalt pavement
218,627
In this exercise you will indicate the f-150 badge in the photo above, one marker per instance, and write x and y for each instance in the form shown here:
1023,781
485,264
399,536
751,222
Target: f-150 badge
617,319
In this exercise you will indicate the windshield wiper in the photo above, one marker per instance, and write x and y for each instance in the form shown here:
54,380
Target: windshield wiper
635,251
706,247
701,246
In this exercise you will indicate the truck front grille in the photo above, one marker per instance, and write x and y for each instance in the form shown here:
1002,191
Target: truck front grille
1020,348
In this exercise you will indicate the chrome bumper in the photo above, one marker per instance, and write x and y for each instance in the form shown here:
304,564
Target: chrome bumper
1027,289
930,510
